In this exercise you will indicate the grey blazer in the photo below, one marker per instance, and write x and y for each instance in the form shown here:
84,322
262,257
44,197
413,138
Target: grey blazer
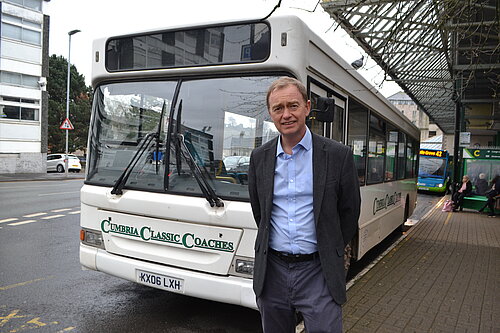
336,205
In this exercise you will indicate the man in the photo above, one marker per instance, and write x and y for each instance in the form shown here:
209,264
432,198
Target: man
305,199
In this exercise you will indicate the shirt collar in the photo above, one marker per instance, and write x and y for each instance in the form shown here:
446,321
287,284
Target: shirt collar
306,143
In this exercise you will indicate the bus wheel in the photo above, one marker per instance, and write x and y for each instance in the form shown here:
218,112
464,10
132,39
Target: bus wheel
347,257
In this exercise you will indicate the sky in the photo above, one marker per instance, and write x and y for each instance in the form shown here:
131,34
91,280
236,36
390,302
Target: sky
103,18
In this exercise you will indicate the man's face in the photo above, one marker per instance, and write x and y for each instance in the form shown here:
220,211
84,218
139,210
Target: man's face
289,111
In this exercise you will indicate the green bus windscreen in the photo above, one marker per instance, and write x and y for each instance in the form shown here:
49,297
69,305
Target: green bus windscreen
230,44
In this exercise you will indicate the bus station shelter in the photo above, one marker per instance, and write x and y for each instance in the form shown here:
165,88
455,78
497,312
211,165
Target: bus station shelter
445,54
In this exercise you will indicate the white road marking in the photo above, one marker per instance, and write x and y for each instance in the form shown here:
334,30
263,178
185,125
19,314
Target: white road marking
75,212
35,214
9,220
22,222
60,210
51,217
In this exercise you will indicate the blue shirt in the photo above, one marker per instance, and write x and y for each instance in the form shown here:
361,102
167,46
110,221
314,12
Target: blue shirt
292,217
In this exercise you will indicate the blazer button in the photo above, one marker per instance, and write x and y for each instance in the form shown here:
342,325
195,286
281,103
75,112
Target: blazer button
265,251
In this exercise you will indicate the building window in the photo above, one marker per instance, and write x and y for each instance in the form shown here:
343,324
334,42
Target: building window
21,33
432,133
19,79
32,4
19,108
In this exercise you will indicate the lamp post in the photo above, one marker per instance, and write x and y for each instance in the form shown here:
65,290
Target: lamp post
66,160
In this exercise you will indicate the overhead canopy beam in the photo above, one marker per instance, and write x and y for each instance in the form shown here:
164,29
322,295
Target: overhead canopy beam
427,47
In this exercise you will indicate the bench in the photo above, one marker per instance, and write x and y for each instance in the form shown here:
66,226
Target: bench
477,202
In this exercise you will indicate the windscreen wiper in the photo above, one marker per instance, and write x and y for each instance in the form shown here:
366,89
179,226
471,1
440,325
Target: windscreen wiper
206,189
122,180
182,149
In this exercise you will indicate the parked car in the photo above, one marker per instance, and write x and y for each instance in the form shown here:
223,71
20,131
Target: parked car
237,163
57,162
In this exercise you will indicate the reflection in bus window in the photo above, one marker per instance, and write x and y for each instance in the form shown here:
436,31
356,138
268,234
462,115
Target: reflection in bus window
390,157
358,123
401,156
376,150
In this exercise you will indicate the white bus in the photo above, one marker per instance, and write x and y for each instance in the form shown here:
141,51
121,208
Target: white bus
175,115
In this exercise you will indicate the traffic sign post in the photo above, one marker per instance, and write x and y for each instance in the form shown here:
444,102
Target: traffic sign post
66,125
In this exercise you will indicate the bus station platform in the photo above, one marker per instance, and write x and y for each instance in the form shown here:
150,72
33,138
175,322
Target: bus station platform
444,276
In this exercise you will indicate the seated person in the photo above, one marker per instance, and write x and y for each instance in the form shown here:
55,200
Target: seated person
465,190
481,185
492,194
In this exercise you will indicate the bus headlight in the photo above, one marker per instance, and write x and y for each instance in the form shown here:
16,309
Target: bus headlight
91,238
440,185
242,266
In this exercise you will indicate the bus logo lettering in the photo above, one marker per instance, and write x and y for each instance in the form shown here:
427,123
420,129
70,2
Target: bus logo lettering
187,240
383,203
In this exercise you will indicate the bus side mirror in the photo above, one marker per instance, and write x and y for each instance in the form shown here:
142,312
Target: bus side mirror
324,109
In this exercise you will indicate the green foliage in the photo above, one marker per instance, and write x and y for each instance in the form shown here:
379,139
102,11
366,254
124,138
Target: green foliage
80,102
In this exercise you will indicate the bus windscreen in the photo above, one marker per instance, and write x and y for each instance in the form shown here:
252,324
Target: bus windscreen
216,45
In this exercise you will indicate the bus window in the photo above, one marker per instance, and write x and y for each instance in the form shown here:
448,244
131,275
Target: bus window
338,123
401,165
358,123
390,157
410,159
376,150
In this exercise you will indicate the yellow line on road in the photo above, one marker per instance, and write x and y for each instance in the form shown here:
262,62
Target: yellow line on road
9,220
35,214
52,217
20,284
57,193
22,222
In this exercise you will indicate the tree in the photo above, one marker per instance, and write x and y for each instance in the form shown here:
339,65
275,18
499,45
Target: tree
80,101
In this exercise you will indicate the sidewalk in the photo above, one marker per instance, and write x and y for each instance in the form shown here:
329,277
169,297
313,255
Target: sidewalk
443,277
12,177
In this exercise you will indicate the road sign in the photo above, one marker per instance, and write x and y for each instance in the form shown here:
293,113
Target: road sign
66,125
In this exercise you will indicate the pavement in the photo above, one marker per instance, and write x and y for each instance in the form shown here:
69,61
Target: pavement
444,276
13,177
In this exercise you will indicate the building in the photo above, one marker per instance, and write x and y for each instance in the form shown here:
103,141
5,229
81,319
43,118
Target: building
24,67
411,110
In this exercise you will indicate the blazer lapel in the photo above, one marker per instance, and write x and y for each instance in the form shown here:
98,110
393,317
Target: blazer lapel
320,167
268,176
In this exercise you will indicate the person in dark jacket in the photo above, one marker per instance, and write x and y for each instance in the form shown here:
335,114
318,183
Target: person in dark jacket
465,190
491,194
481,185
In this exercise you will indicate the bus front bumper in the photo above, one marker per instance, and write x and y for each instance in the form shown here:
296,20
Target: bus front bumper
226,289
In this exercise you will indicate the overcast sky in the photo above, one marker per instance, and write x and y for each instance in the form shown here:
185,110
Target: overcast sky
102,18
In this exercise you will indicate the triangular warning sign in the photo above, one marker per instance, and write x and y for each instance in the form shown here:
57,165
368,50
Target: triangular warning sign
66,125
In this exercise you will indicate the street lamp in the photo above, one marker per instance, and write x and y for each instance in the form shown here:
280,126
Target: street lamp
71,33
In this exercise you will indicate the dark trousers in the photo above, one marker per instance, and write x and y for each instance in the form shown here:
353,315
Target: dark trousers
458,199
292,287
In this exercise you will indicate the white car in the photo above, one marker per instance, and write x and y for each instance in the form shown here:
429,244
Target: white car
56,162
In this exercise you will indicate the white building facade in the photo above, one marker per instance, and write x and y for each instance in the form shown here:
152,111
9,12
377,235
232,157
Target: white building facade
411,110
23,96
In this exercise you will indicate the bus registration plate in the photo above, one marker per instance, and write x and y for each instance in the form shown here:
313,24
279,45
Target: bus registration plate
160,281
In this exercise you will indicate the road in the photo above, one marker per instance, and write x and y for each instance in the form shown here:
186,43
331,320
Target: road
43,289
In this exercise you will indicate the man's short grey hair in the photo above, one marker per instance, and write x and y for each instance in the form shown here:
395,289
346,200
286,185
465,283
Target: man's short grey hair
284,82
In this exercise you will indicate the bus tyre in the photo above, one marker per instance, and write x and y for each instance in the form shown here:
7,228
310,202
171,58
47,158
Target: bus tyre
347,257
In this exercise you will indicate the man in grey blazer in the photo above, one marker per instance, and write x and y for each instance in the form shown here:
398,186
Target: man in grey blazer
305,199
